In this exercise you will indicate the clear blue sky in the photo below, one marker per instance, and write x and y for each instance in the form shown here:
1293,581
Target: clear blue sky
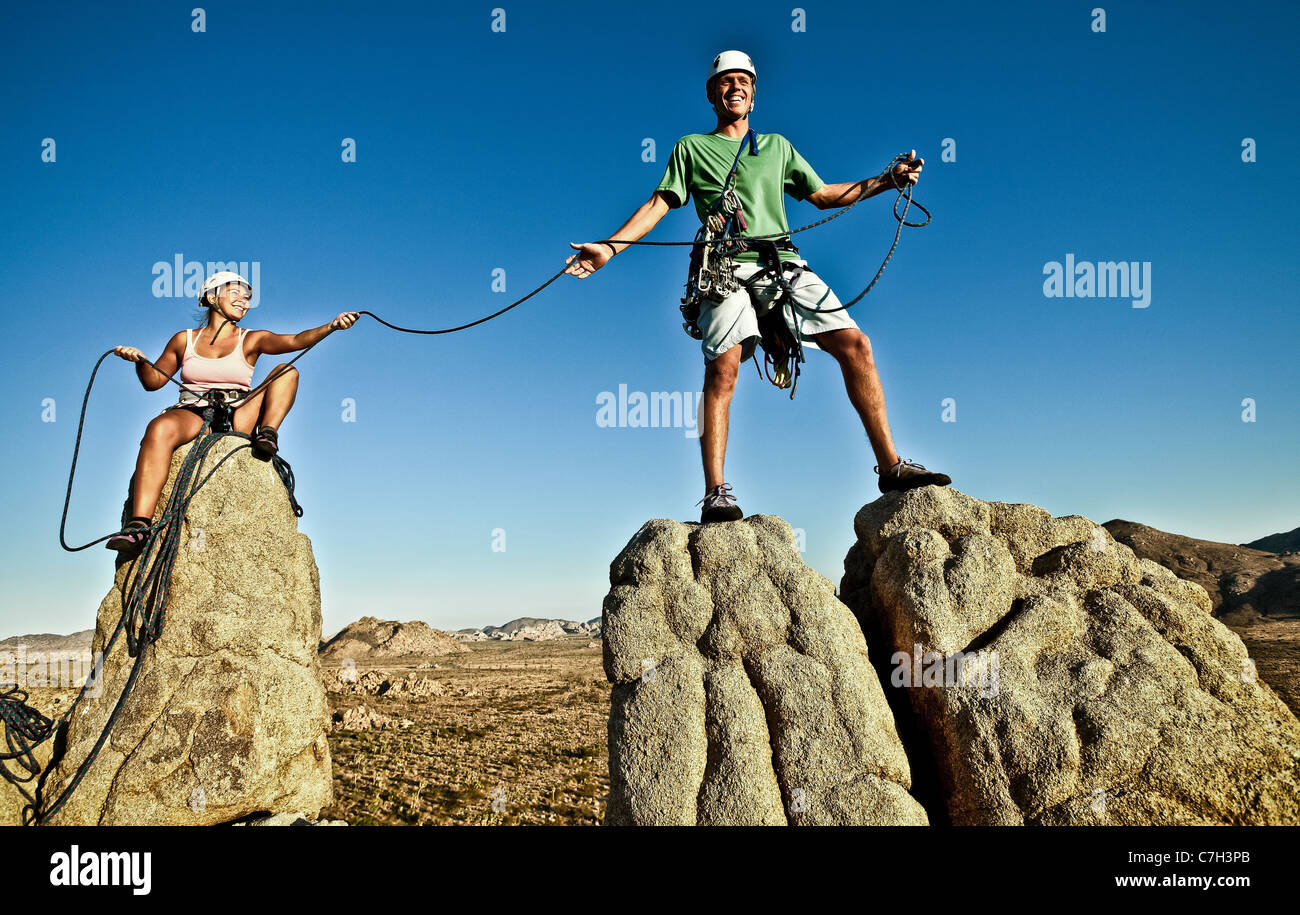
479,150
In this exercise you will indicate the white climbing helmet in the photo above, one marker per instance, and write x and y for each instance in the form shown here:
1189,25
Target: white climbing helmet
731,60
219,279
726,62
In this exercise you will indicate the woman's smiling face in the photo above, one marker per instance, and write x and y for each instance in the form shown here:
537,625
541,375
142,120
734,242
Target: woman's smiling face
232,300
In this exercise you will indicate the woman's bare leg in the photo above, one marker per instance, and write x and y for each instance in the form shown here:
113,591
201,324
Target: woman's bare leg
270,405
162,437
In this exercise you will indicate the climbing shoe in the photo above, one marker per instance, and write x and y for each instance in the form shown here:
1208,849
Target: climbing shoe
909,475
266,442
720,505
130,539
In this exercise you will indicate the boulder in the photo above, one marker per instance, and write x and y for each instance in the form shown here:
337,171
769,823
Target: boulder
1053,677
345,681
369,639
361,718
414,686
530,631
228,717
742,692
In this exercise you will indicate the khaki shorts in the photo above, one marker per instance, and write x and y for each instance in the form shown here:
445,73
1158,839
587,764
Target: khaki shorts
734,320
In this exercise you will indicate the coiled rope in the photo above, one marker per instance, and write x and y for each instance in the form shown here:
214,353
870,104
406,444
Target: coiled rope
25,729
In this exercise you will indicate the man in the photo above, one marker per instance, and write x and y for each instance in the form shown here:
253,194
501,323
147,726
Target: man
707,166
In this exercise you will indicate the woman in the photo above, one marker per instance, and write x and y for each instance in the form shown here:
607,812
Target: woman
209,358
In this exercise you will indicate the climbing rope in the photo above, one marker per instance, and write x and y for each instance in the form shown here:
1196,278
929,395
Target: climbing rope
904,194
281,466
776,235
144,607
782,350
25,729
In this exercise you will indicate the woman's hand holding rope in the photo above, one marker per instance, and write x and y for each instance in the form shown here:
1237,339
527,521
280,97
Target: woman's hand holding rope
129,353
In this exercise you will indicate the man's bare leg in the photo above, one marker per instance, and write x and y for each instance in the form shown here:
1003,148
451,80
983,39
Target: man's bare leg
852,350
719,384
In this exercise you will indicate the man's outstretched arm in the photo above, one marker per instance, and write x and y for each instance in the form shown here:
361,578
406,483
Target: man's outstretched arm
830,196
591,256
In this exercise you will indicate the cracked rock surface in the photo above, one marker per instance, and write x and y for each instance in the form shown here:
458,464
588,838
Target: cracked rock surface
1115,696
742,692
228,716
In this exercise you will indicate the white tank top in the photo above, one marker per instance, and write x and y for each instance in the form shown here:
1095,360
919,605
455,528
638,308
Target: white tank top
203,373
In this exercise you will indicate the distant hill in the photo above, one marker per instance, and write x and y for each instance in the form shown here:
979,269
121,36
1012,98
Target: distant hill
45,641
1239,579
368,638
530,629
371,638
1278,543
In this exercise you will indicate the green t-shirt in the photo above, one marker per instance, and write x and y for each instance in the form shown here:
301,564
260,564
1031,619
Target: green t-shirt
700,163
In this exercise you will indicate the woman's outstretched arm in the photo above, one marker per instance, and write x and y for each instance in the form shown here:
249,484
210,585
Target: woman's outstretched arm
269,344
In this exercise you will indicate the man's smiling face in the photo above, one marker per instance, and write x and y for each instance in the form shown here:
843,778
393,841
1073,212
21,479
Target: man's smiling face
733,92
